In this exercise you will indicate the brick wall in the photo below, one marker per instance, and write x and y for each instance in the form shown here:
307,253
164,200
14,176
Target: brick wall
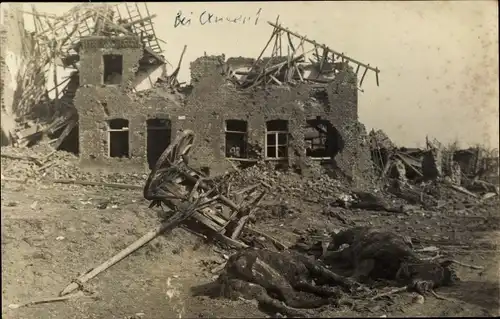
98,103
211,102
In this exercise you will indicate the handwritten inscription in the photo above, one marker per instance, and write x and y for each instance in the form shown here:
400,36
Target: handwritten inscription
107,43
207,17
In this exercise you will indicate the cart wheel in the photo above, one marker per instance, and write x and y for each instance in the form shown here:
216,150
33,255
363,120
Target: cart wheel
165,167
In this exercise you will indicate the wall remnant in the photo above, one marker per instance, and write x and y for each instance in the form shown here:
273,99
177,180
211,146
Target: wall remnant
15,44
295,111
56,43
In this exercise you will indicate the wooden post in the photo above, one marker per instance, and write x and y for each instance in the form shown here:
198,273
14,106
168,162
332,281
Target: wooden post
323,46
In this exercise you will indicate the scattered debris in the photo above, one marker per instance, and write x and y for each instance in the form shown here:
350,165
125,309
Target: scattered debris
332,267
195,197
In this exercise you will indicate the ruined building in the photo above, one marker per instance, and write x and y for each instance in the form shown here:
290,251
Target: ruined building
297,110
286,125
115,130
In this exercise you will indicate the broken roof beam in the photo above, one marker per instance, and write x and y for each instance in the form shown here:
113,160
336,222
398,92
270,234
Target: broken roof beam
77,15
42,14
276,68
316,44
129,24
60,25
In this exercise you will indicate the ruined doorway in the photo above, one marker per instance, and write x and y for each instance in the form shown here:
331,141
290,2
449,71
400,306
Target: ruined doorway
276,140
323,141
118,138
159,133
113,68
236,139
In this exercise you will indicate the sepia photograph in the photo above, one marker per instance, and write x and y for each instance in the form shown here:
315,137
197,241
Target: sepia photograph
249,159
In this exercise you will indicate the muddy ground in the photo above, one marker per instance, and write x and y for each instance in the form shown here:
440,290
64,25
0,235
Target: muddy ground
52,233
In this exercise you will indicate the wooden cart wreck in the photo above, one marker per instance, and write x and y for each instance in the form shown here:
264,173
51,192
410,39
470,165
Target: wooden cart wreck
191,198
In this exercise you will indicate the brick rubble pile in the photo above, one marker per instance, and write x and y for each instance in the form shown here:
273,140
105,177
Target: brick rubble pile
58,165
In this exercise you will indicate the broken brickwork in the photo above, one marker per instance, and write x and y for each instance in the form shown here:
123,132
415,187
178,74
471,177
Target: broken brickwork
99,104
213,101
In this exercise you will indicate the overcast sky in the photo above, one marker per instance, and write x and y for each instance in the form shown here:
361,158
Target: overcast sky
438,60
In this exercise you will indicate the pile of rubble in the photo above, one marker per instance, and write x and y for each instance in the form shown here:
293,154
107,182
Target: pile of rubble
41,163
435,169
288,183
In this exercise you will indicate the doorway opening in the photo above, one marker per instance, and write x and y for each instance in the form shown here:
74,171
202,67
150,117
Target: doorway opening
159,133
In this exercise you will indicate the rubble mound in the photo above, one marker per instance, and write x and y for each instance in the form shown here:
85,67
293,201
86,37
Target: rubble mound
287,183
40,163
37,161
380,140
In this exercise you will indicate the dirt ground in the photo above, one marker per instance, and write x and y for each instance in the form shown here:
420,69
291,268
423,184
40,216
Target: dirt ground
53,233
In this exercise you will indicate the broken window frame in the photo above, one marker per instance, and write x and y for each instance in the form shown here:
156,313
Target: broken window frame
110,130
277,144
244,156
104,82
321,135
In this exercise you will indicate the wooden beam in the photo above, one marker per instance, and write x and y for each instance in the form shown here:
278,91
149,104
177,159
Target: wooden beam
363,77
290,43
376,70
129,24
276,67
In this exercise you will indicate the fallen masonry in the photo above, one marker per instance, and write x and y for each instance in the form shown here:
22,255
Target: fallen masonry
249,140
119,110
211,210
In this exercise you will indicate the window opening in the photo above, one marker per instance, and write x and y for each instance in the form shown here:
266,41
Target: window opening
236,139
118,138
322,140
277,139
113,69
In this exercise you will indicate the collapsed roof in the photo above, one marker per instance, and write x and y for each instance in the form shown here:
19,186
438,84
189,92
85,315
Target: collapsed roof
55,42
298,60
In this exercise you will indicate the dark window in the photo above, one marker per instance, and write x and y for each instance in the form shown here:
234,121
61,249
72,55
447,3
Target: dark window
113,69
236,139
322,140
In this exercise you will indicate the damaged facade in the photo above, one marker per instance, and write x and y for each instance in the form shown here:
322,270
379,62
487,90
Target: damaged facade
114,128
15,45
119,109
287,125
311,118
